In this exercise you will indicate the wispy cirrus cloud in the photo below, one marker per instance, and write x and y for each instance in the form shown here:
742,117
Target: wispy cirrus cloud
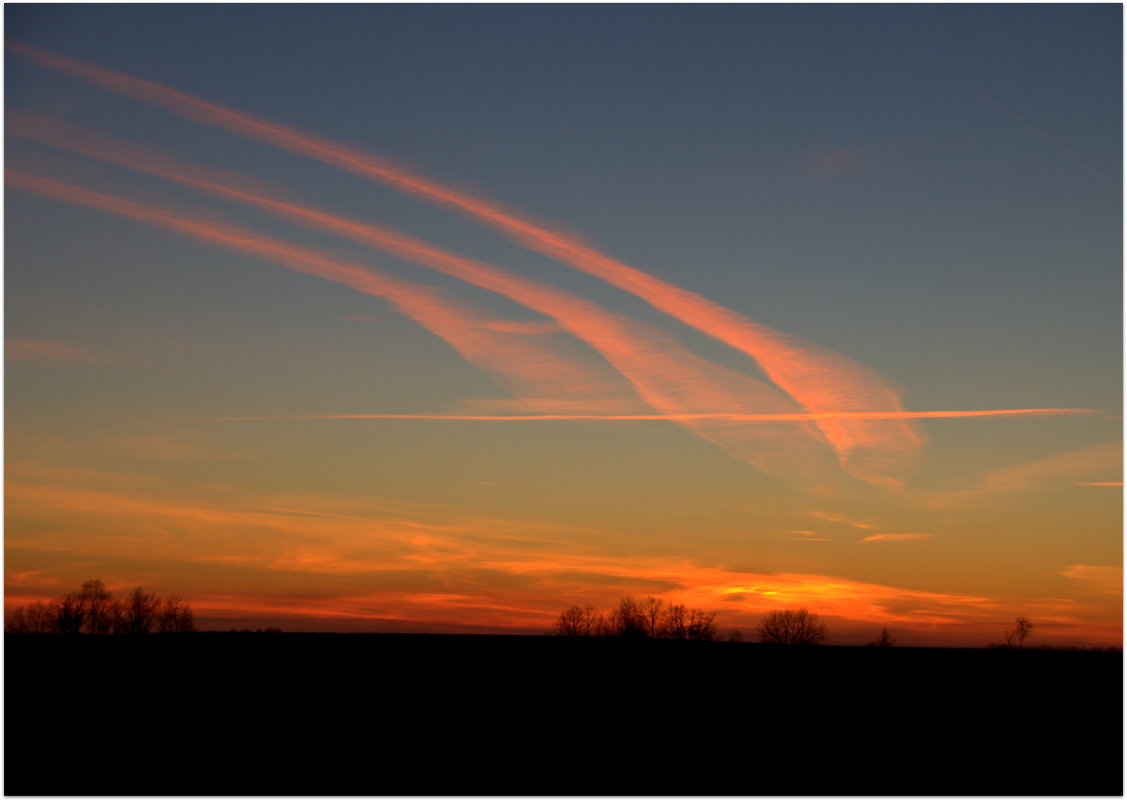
47,350
1079,160
831,162
818,379
896,537
307,558
805,535
833,517
1101,579
1063,469
350,549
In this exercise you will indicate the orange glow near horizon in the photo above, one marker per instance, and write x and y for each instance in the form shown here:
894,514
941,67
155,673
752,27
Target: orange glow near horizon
392,550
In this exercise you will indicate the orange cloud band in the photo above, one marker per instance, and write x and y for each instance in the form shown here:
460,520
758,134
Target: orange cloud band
435,569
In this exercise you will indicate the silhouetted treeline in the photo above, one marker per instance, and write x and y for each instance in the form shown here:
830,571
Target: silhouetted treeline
651,617
797,627
95,610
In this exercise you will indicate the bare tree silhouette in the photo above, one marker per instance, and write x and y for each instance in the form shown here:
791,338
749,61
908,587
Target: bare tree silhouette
634,619
885,640
15,621
116,619
792,627
592,621
702,625
675,624
141,611
39,617
97,599
176,616
682,623
570,623
94,610
69,613
1016,636
34,618
627,619
651,613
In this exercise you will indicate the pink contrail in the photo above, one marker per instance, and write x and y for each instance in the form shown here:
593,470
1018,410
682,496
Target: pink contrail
797,417
1044,137
640,352
668,376
819,379
526,364
661,370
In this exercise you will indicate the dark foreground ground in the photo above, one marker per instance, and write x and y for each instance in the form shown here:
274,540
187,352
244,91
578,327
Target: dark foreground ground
324,714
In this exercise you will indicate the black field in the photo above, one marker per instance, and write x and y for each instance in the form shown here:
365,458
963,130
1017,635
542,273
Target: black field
325,714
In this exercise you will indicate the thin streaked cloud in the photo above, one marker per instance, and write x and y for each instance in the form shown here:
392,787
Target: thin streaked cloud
831,162
1063,469
1076,158
896,537
832,517
46,350
1108,580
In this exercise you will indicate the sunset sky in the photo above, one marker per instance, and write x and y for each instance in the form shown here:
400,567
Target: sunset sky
443,318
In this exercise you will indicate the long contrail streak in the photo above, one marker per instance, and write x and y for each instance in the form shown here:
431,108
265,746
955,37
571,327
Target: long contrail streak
798,417
819,379
1044,137
525,363
664,373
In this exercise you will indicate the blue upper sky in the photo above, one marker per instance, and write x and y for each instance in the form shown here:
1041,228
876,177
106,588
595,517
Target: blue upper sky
838,172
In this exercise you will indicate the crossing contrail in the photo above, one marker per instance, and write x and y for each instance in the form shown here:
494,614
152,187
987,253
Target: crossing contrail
798,417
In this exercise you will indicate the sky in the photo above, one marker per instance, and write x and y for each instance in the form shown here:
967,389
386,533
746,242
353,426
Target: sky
444,318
